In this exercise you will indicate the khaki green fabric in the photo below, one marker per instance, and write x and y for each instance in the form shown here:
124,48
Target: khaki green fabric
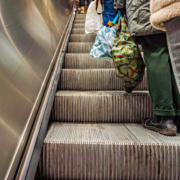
161,81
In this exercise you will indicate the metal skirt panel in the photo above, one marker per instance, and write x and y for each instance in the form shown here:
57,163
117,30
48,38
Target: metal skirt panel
108,151
29,35
101,106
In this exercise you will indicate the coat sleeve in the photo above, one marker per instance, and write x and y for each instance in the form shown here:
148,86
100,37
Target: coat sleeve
120,5
162,11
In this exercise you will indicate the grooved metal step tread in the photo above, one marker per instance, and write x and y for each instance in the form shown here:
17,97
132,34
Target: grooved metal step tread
82,61
79,21
83,47
82,37
78,31
94,79
80,15
80,18
108,151
78,25
101,106
80,47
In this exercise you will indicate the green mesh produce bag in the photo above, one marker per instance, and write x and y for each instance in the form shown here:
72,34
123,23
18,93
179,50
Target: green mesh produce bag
127,59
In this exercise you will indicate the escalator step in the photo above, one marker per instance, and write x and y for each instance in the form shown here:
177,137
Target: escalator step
82,61
79,21
78,31
80,15
94,79
81,47
108,151
101,106
78,25
82,37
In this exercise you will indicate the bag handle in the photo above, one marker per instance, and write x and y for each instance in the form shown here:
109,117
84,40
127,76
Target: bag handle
116,18
97,2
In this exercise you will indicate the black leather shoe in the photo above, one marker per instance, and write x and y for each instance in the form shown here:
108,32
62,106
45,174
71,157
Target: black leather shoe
162,124
177,122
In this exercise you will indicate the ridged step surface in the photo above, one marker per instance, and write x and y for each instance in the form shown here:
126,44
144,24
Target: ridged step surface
82,61
78,31
79,21
101,106
108,151
80,15
78,25
80,47
94,79
82,37
80,18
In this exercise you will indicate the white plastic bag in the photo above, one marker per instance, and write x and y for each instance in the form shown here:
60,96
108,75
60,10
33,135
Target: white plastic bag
93,20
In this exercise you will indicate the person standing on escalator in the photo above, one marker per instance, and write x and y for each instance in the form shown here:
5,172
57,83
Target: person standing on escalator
161,82
82,5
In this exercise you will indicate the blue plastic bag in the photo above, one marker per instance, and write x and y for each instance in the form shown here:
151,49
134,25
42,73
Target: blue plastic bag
109,13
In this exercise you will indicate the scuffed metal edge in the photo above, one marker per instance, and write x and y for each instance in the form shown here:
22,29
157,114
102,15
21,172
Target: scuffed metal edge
31,156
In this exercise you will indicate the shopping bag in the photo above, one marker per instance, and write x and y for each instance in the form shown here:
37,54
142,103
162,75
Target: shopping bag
109,13
104,42
94,17
127,59
113,23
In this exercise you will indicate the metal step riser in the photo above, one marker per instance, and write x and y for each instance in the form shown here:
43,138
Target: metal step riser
114,152
94,79
78,21
78,25
78,31
80,15
83,47
80,47
80,18
82,38
108,162
82,61
119,108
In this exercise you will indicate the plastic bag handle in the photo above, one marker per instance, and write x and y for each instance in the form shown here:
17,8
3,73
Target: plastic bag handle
116,18
97,2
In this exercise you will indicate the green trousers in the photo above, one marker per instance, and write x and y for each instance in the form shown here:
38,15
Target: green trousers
161,82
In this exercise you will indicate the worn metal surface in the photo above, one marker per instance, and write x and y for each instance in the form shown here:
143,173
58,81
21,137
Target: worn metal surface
78,25
80,47
78,31
94,79
101,106
29,34
85,61
28,166
108,151
82,37
79,21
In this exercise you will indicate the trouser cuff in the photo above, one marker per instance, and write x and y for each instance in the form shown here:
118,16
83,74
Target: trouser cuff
158,112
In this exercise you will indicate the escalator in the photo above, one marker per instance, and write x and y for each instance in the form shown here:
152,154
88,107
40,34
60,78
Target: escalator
95,129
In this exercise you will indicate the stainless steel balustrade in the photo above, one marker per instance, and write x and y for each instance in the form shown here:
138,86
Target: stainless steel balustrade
30,31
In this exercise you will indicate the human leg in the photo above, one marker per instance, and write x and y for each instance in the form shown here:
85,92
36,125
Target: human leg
159,73
160,83
82,5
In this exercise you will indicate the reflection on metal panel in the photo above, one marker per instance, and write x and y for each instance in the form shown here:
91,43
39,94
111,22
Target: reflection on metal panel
29,34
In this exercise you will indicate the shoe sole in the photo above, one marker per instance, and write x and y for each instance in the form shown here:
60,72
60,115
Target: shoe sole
171,131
